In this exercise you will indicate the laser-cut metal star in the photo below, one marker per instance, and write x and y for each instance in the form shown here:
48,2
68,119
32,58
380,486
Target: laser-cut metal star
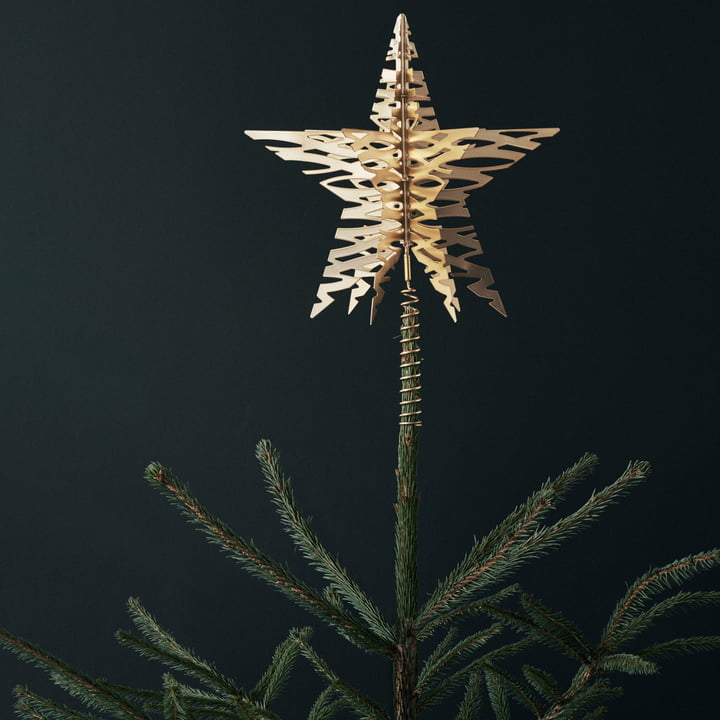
405,186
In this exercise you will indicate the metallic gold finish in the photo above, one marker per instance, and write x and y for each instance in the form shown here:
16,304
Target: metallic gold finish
409,360
405,185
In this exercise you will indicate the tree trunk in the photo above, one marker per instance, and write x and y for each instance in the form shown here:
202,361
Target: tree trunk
406,508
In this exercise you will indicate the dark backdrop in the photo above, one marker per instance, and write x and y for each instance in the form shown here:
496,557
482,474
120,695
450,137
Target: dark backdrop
158,268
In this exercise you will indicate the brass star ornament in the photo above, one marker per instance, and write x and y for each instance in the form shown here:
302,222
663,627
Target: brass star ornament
405,186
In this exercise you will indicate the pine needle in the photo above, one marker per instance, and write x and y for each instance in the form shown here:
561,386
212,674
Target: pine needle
30,706
273,679
179,656
464,647
93,694
353,698
261,565
326,705
681,646
650,584
516,539
298,528
472,698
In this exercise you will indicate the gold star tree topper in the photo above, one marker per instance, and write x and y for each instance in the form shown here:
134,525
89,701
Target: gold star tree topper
405,185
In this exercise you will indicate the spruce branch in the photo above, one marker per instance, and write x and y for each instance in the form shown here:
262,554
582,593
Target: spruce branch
326,705
501,550
634,624
298,528
438,651
472,698
681,646
464,647
176,662
145,698
627,663
627,619
181,700
261,565
274,678
543,682
173,706
584,692
554,626
551,536
30,706
93,694
205,703
332,596
432,695
519,539
352,697
236,698
497,694
515,688
178,656
200,703
479,607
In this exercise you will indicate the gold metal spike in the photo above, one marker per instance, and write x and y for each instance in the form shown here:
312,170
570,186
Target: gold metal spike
402,183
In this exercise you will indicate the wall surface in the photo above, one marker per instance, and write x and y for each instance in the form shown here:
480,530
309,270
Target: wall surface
158,269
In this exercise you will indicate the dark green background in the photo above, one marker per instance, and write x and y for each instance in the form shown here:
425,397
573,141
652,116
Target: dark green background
158,269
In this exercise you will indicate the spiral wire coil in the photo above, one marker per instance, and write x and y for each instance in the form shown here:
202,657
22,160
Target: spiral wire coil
409,361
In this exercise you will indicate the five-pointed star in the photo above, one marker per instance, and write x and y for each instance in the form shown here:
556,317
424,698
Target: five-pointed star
405,185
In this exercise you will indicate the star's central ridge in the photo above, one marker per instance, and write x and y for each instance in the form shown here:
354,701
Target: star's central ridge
405,185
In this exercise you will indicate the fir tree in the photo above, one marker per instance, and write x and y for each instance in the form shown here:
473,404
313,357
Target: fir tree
464,645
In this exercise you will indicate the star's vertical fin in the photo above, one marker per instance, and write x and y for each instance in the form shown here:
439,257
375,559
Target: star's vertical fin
387,101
